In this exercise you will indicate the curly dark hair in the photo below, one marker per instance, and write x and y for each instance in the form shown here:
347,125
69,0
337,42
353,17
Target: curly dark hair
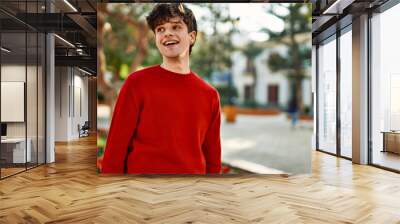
163,12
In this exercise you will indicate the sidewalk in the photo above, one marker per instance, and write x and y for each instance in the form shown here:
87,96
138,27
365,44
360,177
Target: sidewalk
267,144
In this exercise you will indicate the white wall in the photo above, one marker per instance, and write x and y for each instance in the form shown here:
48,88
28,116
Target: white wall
71,93
61,103
265,77
80,96
14,73
238,68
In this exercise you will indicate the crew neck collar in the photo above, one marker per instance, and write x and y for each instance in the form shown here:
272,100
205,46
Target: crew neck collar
176,73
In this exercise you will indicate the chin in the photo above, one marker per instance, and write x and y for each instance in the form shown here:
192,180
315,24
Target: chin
176,55
171,55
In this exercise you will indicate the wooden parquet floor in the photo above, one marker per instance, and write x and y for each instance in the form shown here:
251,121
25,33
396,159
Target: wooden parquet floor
71,191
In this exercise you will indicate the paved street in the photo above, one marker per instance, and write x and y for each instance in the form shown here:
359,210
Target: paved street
263,142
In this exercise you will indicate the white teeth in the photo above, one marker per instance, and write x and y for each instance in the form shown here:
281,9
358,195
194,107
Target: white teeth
170,42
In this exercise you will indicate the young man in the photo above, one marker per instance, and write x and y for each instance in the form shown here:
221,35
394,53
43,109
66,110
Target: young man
166,119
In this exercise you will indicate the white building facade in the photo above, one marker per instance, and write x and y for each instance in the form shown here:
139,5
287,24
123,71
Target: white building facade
272,89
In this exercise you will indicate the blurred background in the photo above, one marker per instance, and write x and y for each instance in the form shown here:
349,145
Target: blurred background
258,57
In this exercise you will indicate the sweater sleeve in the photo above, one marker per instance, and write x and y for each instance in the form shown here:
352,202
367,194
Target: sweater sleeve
212,143
123,125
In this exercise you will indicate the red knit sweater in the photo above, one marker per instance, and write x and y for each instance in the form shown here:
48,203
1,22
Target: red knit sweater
164,123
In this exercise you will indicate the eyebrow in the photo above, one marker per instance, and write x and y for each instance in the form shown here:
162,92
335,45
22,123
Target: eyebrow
177,22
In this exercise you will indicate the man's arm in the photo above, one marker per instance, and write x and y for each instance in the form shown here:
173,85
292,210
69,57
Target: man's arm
212,143
123,125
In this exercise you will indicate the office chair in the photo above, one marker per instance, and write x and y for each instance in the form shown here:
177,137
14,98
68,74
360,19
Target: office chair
84,130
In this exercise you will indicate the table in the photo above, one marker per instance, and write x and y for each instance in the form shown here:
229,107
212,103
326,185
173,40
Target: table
15,148
391,141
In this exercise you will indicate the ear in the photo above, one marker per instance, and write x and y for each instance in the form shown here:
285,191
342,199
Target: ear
192,37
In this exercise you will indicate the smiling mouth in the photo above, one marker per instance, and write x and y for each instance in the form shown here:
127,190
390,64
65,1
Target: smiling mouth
170,43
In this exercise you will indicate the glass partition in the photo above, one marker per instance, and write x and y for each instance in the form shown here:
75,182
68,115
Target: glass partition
31,100
346,94
14,154
22,89
327,96
385,89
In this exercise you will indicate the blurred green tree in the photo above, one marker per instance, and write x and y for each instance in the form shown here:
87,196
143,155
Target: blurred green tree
296,36
214,48
251,51
129,45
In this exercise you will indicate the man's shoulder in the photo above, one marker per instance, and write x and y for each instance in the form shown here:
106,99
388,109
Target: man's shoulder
142,73
205,85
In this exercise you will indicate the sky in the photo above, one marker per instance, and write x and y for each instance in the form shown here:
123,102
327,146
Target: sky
253,17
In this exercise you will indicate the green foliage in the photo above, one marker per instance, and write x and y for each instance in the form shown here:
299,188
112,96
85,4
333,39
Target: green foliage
250,104
200,60
153,56
287,63
120,42
296,37
305,54
307,109
212,52
100,96
124,71
252,50
297,23
227,94
100,149
276,62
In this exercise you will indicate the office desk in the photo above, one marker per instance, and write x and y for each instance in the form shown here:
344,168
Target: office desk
13,150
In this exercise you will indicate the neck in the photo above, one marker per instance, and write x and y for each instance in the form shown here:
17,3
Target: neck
176,65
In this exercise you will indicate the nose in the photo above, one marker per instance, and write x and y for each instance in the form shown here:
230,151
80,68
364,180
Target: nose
167,32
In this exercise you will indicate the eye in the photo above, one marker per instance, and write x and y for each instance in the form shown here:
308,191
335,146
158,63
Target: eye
160,29
175,27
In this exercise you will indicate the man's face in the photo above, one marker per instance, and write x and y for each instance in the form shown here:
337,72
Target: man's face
173,39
